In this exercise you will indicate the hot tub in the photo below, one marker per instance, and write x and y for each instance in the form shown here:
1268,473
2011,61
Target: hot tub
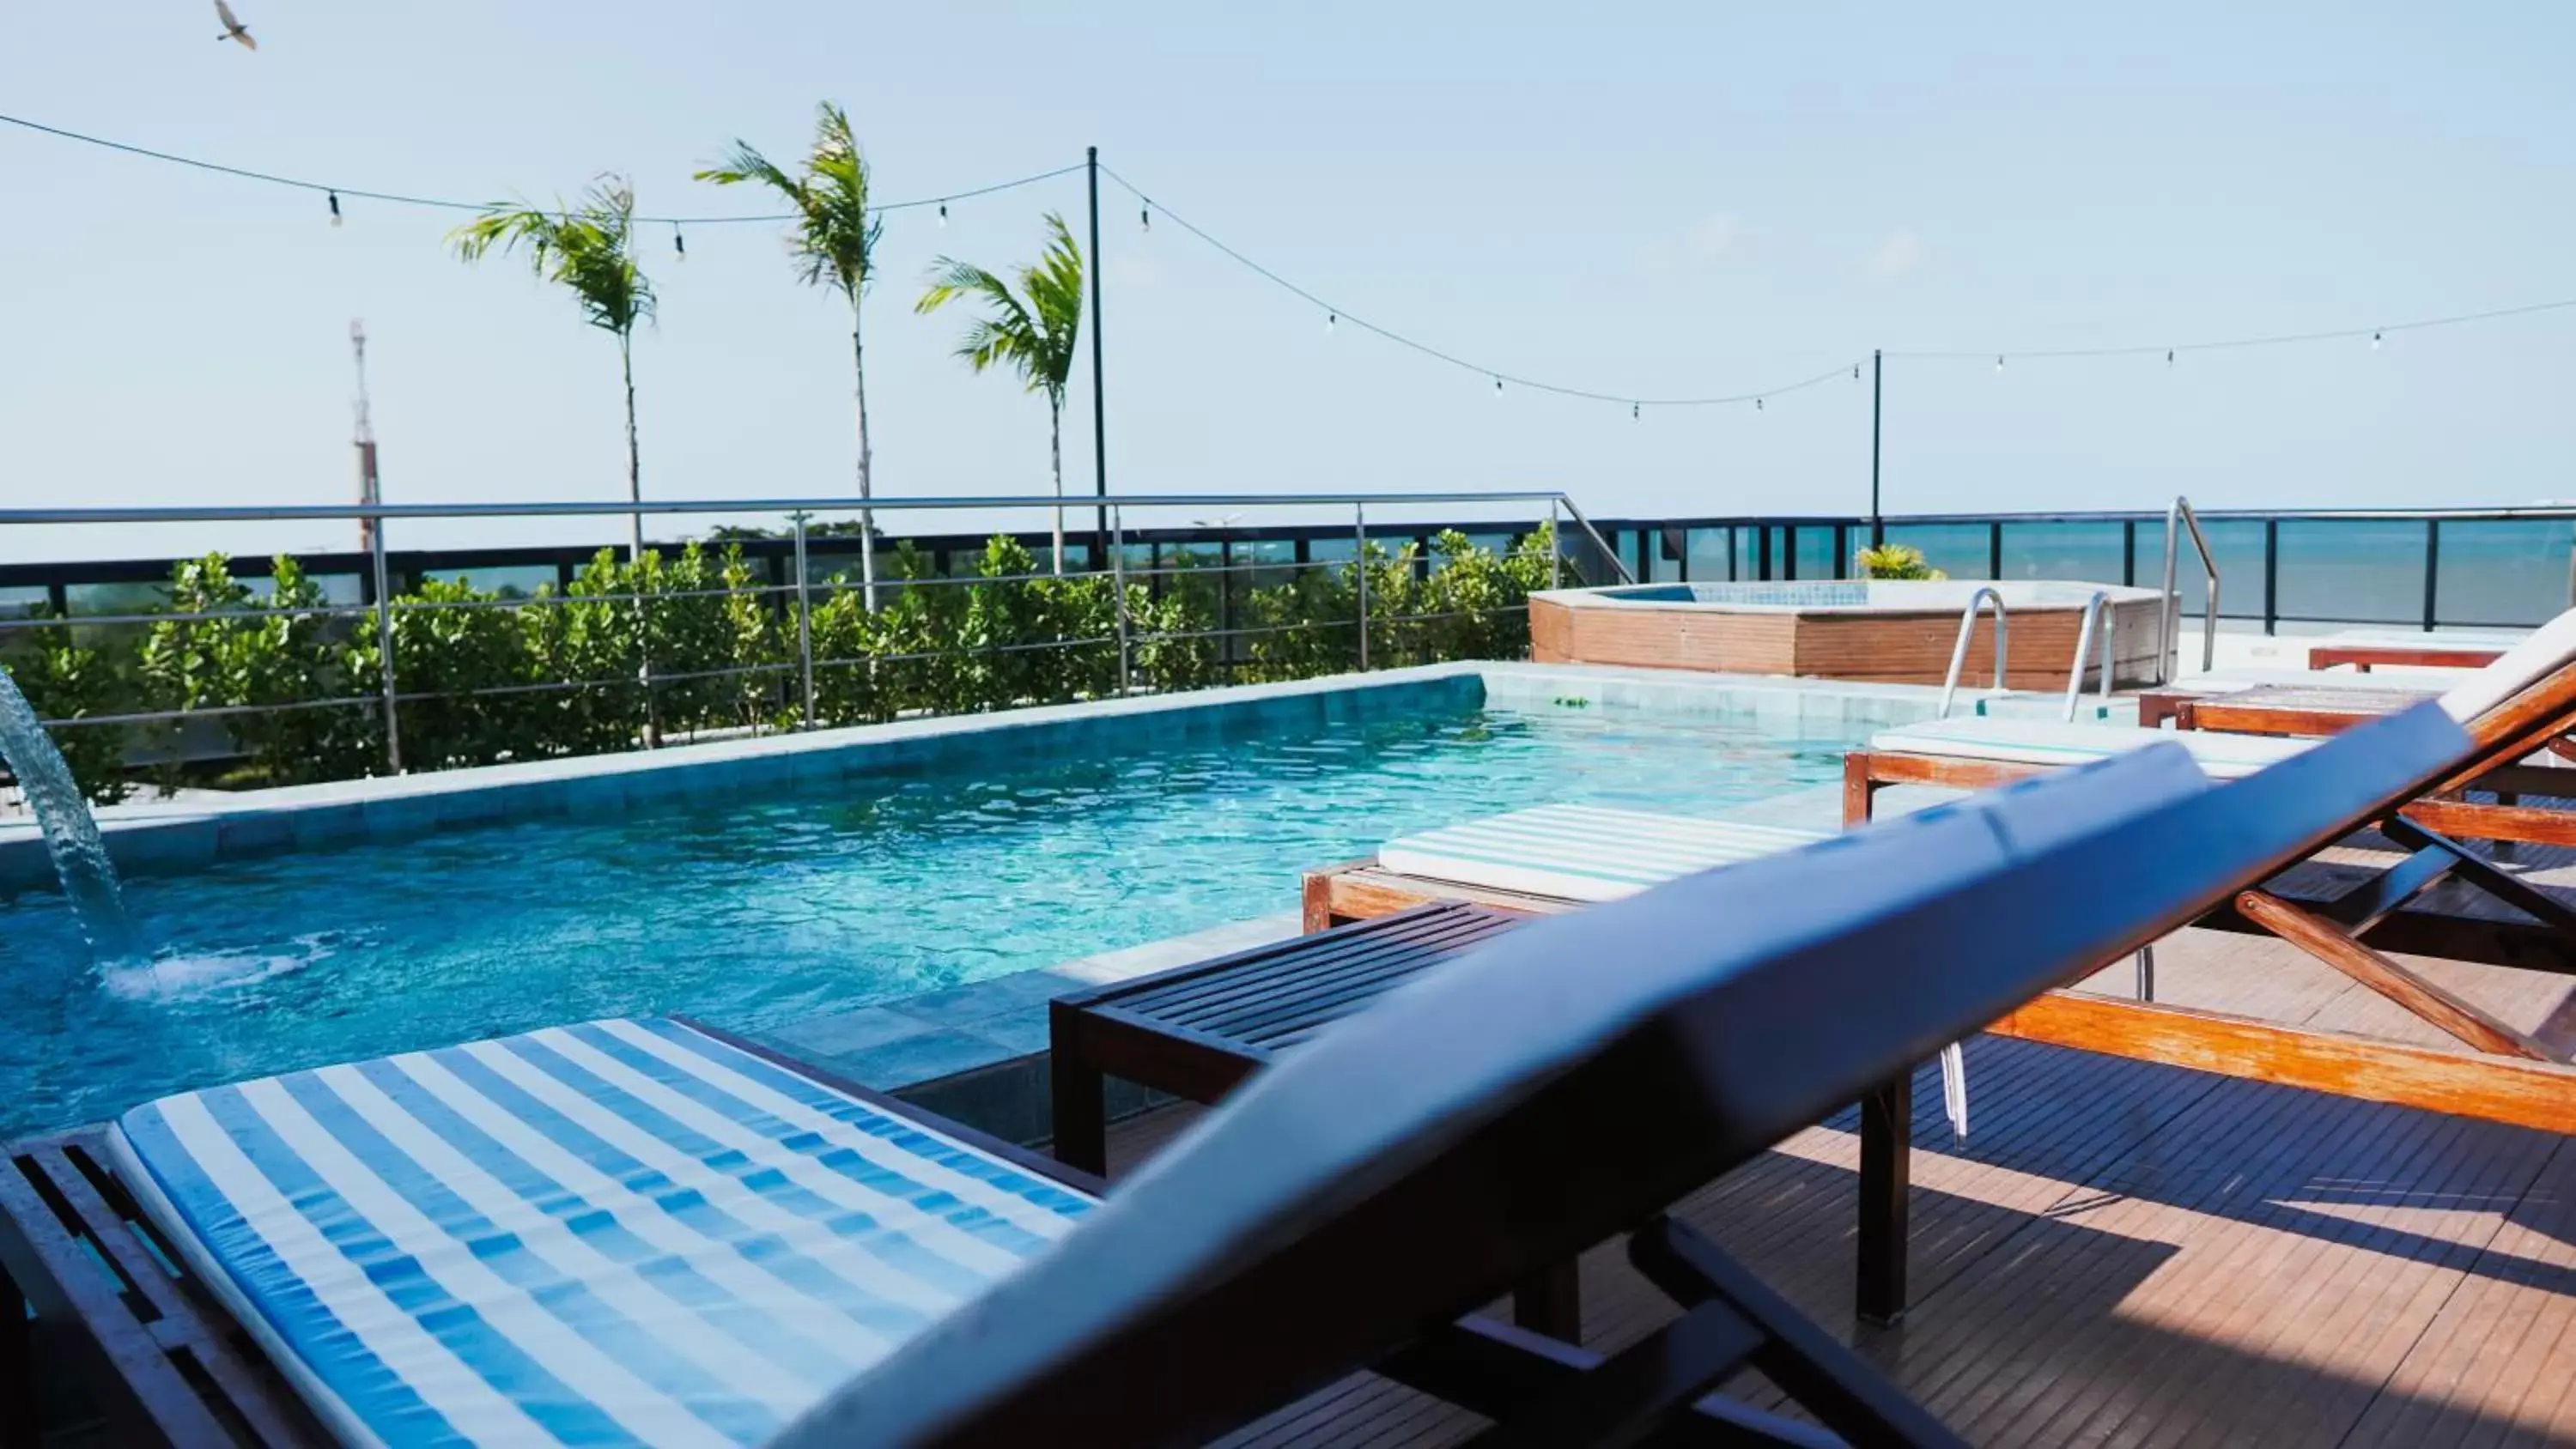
1878,629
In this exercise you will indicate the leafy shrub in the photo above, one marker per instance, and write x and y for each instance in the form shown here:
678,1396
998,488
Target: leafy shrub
1895,561
445,651
564,672
63,681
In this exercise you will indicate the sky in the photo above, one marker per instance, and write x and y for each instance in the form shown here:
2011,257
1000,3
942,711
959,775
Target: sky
1651,200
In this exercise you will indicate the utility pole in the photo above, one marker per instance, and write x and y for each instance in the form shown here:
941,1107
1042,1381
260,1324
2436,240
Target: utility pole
1099,407
370,487
1877,525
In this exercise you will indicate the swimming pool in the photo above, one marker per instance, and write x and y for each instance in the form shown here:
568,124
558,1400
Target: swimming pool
757,911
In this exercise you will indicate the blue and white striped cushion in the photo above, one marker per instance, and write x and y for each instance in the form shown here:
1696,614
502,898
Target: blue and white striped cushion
1582,852
626,1232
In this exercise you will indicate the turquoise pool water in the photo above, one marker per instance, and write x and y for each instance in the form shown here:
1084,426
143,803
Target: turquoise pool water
781,905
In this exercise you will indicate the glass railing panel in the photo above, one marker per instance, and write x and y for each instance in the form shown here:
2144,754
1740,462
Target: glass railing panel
2503,571
1710,555
1961,550
2351,570
2088,552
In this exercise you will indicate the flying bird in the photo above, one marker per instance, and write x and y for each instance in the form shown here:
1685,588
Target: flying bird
233,28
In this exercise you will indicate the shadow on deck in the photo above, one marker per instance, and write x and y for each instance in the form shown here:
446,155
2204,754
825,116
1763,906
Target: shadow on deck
2123,1253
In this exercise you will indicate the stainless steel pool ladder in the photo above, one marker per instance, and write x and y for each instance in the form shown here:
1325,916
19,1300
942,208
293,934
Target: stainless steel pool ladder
2097,618
2179,519
1959,650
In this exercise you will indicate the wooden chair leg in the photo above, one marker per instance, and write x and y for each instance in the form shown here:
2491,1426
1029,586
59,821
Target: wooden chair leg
18,1419
1860,791
1076,1089
1552,1303
2335,946
1886,1184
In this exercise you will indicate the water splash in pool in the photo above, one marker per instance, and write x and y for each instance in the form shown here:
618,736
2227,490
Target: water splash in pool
71,834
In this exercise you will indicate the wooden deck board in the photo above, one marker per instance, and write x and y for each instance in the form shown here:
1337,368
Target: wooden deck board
2135,1255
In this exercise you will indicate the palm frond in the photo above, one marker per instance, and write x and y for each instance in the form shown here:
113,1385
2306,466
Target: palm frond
587,248
1033,329
834,237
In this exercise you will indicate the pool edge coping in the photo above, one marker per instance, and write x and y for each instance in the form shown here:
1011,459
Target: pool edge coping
160,838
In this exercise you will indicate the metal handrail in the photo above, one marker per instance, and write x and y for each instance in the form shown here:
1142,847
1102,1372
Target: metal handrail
389,695
2095,609
257,513
2169,613
1959,650
1626,576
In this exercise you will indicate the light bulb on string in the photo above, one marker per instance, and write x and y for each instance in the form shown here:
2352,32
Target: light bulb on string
943,216
1855,372
1329,319
1757,404
1498,387
1145,218
2168,357
334,198
1999,362
2374,342
679,243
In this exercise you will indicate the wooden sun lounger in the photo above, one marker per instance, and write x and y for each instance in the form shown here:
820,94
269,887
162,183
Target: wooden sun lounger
2352,911
120,1307
2364,655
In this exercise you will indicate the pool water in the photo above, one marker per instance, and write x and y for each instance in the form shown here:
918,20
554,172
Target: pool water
783,905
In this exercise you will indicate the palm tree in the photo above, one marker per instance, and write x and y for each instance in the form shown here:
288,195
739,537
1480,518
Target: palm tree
834,244
1032,331
590,250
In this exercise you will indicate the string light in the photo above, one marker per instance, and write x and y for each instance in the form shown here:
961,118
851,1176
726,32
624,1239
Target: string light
331,196
679,243
1329,320
1635,412
451,204
1855,372
1498,387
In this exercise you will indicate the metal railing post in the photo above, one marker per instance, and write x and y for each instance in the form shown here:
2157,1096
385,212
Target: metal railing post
385,639
2098,619
2179,518
804,622
1555,550
1118,586
1959,651
1359,571
1617,564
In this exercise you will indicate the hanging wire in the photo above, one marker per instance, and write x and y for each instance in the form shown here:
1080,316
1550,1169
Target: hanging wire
445,204
2278,339
1333,314
1344,314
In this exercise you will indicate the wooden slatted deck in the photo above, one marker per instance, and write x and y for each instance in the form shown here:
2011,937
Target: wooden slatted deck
2129,1254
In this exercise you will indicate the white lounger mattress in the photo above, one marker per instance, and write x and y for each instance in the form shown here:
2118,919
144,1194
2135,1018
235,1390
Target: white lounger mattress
1582,852
2055,742
625,1232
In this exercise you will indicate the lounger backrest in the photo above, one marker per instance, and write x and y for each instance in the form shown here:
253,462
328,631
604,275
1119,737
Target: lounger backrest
2550,647
1569,1080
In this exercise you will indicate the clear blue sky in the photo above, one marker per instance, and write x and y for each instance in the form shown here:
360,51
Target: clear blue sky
1661,199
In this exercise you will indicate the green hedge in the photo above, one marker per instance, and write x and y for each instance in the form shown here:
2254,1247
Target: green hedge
564,673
